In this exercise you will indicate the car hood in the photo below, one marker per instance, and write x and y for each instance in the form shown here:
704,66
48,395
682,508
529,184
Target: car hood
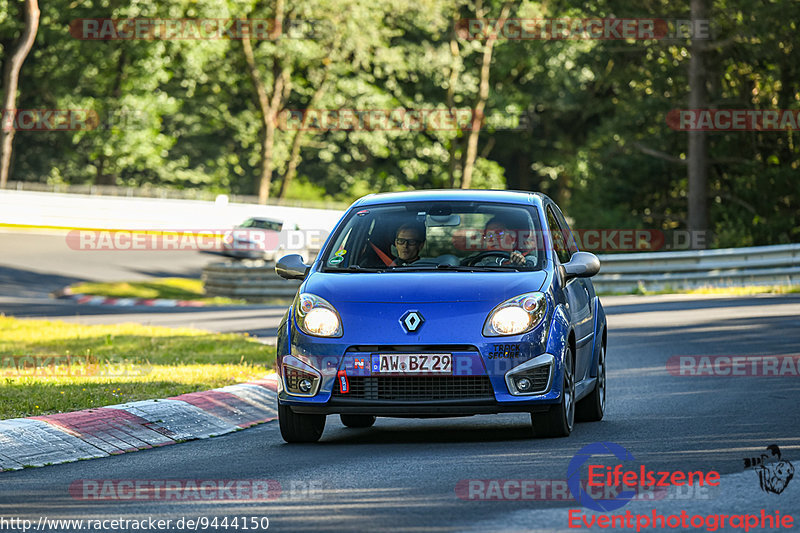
422,287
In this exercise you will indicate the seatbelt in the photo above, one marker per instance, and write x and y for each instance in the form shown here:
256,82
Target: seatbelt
381,254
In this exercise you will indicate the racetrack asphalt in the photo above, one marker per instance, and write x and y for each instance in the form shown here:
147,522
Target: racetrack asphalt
402,474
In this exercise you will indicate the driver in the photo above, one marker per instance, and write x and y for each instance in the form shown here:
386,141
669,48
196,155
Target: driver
497,237
408,240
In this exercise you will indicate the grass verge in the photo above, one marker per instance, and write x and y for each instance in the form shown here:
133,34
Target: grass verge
53,366
165,288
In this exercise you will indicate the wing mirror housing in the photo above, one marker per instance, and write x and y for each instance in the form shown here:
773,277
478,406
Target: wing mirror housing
292,267
581,265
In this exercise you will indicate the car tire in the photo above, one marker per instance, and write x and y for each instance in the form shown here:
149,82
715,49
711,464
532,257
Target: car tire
592,408
560,418
357,421
297,427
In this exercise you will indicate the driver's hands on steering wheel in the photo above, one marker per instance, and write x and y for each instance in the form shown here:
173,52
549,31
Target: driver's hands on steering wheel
516,258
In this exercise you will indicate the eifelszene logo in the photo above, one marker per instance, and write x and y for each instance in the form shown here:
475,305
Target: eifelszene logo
774,473
623,481
574,476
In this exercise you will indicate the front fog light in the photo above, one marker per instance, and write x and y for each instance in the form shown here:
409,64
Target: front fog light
304,386
523,384
298,382
531,377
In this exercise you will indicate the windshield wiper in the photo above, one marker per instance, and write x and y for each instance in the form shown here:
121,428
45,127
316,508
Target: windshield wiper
355,268
459,268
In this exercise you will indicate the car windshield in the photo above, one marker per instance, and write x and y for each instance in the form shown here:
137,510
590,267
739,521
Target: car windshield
259,223
437,236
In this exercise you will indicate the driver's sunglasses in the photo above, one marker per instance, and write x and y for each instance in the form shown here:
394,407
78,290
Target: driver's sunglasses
490,234
410,242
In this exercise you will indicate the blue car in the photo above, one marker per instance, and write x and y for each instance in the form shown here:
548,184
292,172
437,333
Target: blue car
443,303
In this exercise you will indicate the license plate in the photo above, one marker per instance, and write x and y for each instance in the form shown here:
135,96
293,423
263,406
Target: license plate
429,363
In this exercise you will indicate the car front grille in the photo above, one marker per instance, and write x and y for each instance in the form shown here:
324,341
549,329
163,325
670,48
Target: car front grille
417,388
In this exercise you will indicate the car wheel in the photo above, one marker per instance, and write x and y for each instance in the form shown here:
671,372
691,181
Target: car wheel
558,421
357,421
592,408
299,427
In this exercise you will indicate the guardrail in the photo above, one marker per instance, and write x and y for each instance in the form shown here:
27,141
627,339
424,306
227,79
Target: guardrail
728,267
248,280
761,265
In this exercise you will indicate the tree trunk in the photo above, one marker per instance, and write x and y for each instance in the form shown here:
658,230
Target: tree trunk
698,143
101,178
451,89
268,106
11,82
480,106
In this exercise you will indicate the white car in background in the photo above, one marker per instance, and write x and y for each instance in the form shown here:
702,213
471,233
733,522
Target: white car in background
255,238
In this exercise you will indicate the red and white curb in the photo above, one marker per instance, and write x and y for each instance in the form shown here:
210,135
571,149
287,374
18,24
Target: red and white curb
67,294
129,427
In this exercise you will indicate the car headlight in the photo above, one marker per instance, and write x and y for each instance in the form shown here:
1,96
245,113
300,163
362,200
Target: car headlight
315,316
517,315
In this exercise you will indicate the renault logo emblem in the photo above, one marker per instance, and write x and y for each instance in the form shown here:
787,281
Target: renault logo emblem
411,321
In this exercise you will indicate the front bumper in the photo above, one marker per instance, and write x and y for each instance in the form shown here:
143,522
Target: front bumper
469,392
428,409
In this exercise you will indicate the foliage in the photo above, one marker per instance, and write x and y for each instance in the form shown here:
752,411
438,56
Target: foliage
580,120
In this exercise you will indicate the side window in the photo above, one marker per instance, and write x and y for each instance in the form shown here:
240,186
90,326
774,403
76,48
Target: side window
568,238
557,237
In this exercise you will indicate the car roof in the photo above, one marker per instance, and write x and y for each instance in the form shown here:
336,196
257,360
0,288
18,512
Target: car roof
265,219
466,195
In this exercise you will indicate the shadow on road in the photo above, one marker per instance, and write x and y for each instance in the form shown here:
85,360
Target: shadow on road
28,284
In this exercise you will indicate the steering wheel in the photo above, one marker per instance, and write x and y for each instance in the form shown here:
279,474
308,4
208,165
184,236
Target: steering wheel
470,261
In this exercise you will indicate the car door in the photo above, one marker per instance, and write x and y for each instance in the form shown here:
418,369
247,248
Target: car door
576,292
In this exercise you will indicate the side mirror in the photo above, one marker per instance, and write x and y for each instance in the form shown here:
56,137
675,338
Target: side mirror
582,265
292,267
